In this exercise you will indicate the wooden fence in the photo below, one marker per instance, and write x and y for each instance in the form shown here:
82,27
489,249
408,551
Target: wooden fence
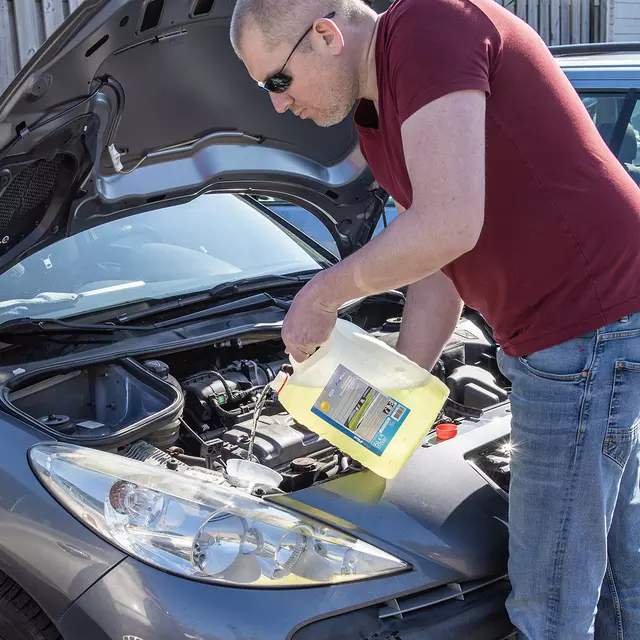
25,24
564,21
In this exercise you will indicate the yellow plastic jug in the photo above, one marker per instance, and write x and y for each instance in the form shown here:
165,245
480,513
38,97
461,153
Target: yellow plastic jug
364,397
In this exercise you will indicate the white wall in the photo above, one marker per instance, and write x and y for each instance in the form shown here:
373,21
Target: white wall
625,20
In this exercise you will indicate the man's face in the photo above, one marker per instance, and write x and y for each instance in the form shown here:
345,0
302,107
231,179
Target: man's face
323,88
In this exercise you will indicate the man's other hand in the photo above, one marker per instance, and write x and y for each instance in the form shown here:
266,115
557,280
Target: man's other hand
310,320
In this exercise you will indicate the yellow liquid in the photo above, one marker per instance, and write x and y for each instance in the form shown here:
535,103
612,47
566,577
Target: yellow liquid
424,403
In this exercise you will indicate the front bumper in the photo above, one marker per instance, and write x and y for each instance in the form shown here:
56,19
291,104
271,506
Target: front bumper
460,535
134,601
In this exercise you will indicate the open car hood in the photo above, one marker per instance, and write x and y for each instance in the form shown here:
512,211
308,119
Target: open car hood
137,104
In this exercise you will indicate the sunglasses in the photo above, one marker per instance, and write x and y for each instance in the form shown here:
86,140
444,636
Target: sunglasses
279,82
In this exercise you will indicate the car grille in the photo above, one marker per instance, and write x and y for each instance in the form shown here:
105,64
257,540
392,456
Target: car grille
398,607
493,462
470,611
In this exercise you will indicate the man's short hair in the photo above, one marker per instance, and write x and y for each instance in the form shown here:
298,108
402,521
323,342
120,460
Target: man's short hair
285,20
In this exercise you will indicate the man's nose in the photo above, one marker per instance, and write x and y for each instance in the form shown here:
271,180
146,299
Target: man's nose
281,101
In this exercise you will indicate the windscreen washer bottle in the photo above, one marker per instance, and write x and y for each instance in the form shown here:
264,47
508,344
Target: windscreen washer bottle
364,397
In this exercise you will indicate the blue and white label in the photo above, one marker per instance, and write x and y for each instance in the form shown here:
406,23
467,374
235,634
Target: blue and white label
365,414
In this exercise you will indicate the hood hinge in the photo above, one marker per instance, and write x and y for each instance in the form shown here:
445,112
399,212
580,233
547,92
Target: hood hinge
372,215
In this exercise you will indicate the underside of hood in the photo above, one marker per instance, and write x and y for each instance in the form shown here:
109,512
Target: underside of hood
136,104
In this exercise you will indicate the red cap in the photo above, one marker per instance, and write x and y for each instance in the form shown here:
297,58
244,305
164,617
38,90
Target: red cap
446,431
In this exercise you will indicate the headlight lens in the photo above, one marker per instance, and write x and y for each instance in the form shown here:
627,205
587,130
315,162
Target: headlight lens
195,528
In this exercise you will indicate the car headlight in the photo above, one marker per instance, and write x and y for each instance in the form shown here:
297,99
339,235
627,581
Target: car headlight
195,528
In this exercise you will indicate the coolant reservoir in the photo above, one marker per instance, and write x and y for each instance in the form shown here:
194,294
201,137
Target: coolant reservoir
364,397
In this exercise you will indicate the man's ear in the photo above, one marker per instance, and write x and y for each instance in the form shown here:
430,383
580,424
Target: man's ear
327,37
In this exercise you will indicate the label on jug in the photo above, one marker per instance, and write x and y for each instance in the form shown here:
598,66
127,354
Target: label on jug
359,410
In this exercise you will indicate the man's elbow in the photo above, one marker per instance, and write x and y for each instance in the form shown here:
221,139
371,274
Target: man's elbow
468,232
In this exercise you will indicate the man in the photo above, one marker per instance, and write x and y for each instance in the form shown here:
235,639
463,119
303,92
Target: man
513,203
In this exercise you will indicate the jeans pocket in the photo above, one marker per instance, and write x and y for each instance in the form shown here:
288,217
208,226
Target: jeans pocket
624,412
566,362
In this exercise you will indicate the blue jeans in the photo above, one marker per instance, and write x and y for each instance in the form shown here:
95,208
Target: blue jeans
574,498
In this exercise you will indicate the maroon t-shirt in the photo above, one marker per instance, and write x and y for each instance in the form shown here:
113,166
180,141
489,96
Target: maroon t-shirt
559,252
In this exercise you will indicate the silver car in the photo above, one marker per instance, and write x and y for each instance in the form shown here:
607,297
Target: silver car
156,219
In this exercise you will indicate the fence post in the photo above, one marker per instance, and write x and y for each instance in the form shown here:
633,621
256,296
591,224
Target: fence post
521,9
53,11
532,14
606,10
555,22
585,21
545,18
565,22
575,21
28,27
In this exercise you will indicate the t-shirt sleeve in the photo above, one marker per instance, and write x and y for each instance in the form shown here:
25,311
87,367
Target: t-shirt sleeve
436,47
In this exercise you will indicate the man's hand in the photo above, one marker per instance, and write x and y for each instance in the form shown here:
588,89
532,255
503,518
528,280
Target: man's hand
311,318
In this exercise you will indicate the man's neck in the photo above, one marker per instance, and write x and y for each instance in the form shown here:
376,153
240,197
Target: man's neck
368,78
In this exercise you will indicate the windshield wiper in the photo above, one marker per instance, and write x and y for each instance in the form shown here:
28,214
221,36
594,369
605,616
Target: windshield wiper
47,326
260,284
22,326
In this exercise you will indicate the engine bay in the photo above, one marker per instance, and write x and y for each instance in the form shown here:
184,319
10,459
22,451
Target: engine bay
193,411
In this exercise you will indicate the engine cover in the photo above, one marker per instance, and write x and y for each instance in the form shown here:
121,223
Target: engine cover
279,440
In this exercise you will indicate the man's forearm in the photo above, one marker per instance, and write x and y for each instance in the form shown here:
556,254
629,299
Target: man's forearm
430,315
410,249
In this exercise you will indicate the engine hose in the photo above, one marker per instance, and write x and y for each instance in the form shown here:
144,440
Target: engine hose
224,383
344,463
267,371
235,413
215,374
330,473
242,395
328,465
223,413
191,460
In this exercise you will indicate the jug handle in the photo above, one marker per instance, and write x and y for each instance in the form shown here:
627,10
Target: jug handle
298,365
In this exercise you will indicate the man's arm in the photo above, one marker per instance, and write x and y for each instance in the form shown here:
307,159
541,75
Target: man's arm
444,144
430,315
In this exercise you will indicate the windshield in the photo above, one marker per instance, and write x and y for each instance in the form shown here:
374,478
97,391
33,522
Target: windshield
213,239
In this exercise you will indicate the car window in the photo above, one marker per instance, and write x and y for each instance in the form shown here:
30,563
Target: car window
213,239
313,227
303,220
605,109
635,123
